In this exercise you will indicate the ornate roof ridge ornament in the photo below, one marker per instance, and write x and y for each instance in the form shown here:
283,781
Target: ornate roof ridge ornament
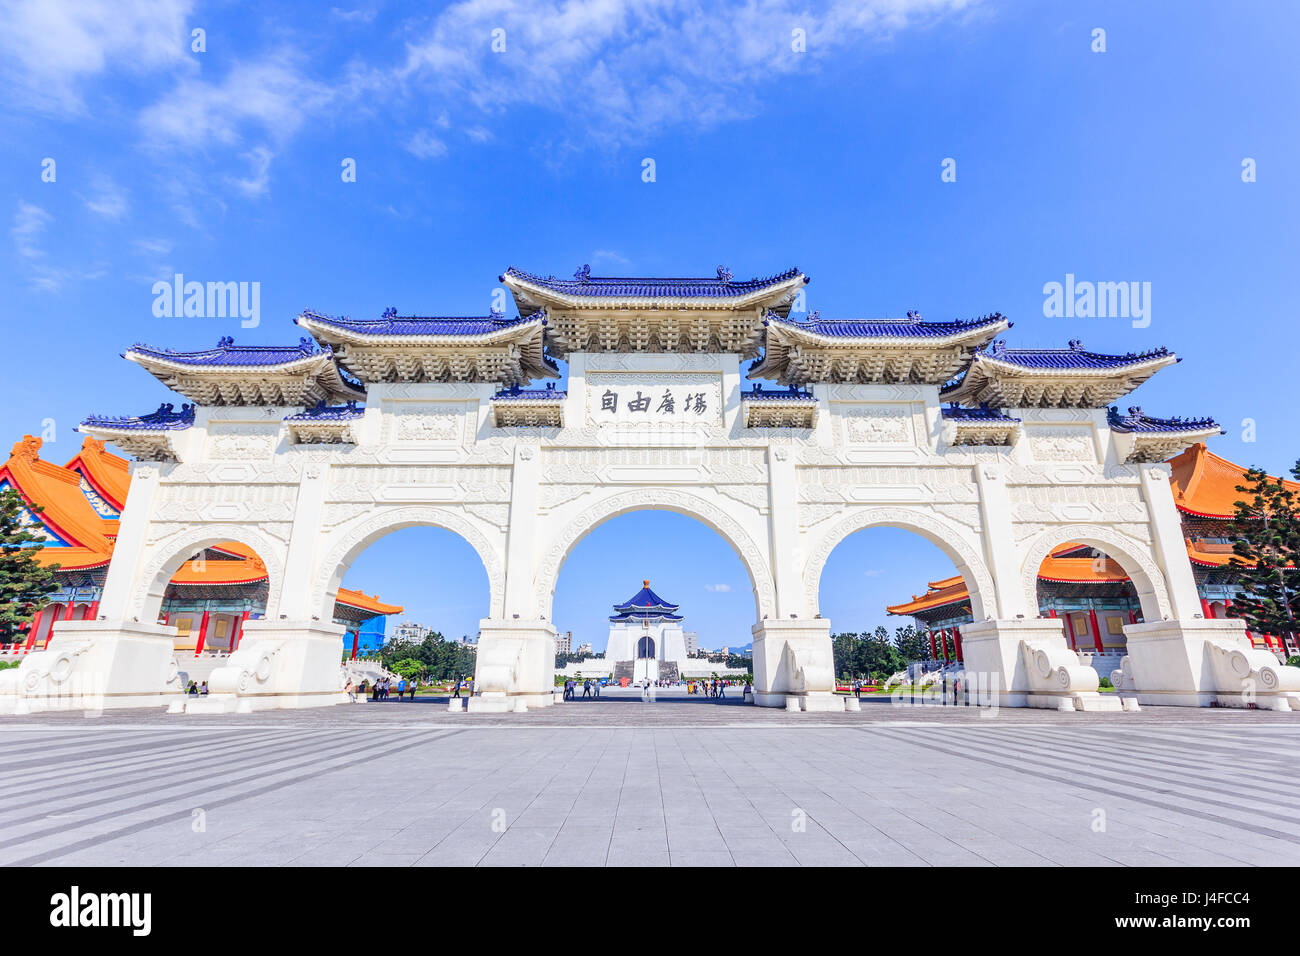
583,272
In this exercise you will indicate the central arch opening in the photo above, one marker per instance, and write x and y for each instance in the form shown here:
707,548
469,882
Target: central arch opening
654,595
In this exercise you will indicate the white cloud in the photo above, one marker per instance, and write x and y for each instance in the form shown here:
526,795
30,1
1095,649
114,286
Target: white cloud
873,572
273,96
50,48
718,588
623,69
259,162
109,199
425,145
29,225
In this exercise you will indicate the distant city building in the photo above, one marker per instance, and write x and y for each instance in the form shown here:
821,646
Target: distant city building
411,631
583,649
563,642
724,650
692,639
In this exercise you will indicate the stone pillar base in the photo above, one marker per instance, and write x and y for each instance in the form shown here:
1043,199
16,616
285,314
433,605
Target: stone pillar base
793,659
280,665
1026,663
95,666
1201,663
515,659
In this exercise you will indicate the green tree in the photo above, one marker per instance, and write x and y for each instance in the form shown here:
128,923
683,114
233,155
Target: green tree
1266,554
408,668
25,585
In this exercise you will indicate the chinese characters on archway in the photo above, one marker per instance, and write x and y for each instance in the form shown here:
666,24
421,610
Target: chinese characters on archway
650,404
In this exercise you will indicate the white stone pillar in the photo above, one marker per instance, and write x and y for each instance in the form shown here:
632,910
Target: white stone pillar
120,582
794,658
1025,663
516,656
1000,551
783,534
1170,550
295,598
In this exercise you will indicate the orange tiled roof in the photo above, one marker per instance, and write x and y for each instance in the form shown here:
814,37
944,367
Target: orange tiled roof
366,602
66,513
1206,485
1055,568
107,473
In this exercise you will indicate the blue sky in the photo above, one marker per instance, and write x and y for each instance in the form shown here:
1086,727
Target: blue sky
225,165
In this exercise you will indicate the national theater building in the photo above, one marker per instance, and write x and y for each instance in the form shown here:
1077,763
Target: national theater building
208,600
1093,595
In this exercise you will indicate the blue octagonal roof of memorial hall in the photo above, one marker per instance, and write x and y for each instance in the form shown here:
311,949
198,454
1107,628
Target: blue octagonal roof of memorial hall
719,286
645,604
166,418
1138,422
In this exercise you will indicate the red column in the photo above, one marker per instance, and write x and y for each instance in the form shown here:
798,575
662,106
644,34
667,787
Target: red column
1069,632
55,616
1096,631
1132,617
934,651
32,628
956,644
239,632
92,612
203,634
356,640
1206,610
943,640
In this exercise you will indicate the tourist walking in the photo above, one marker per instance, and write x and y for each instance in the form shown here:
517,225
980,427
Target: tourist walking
722,690
351,690
457,694
595,689
586,688
414,684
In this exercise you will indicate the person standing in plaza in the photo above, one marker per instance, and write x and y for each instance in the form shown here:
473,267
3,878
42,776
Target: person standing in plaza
457,694
586,688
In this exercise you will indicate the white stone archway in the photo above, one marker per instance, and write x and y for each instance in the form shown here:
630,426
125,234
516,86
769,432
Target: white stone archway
1133,556
352,539
947,536
169,554
595,513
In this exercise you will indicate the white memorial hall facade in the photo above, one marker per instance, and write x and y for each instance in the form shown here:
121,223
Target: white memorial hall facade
308,454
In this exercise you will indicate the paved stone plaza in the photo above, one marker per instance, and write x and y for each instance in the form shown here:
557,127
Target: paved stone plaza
683,781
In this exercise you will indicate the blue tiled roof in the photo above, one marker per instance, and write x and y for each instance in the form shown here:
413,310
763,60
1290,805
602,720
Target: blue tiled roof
393,324
1135,421
719,286
328,413
165,419
531,394
645,603
1074,357
981,414
227,353
912,326
779,394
